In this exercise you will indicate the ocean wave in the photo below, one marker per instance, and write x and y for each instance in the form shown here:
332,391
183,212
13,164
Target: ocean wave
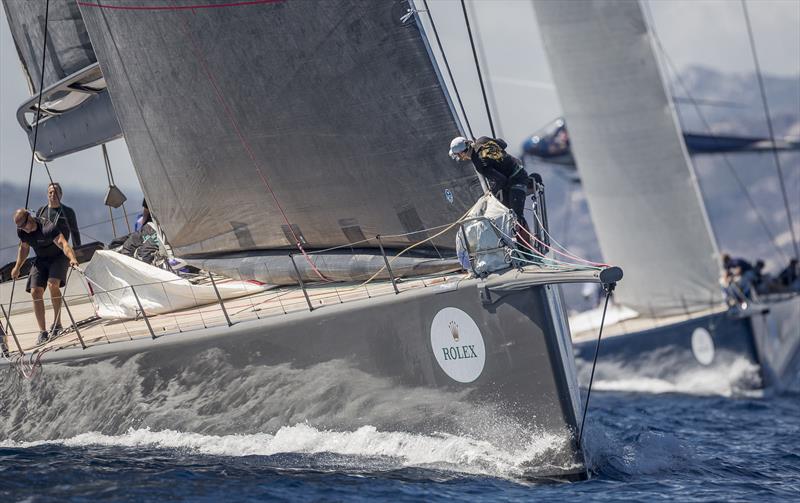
739,378
642,452
394,449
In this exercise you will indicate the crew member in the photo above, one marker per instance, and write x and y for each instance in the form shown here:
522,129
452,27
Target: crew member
142,218
53,256
60,214
503,171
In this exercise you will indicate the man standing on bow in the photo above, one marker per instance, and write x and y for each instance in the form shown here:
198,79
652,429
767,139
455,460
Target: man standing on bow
60,214
53,256
502,170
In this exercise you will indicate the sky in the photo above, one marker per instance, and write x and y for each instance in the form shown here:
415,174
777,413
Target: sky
693,32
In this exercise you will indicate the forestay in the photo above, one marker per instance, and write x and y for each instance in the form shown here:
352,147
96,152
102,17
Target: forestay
642,192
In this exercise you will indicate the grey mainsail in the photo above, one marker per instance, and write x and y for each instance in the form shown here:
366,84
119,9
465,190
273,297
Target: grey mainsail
255,125
75,112
68,46
642,192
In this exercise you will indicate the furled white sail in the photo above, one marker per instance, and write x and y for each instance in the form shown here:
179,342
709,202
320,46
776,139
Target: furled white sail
641,189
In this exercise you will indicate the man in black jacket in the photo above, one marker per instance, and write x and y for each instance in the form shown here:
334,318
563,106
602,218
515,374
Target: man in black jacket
503,171
60,214
54,256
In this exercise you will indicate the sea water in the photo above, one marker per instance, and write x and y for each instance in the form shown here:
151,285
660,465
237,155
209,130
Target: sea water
652,441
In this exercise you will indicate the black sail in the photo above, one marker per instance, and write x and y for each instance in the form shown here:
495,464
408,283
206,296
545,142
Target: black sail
68,45
253,125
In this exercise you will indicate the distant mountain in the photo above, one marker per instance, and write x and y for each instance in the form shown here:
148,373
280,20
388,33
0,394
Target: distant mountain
93,217
739,108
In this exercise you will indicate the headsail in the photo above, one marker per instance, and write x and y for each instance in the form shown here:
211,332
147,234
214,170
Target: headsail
642,192
256,124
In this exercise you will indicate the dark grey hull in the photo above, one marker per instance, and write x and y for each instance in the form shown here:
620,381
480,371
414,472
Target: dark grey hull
756,349
339,368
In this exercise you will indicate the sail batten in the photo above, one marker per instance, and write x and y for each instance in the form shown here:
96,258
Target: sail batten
640,186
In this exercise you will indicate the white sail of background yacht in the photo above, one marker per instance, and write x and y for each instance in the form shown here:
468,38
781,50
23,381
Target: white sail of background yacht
642,192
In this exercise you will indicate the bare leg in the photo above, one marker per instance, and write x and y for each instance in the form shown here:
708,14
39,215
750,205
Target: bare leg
37,293
55,298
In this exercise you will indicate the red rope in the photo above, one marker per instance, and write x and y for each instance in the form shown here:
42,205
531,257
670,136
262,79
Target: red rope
530,246
172,8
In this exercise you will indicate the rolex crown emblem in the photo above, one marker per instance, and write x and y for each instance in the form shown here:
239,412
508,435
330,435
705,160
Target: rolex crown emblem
453,330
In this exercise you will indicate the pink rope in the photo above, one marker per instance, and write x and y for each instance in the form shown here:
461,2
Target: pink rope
569,255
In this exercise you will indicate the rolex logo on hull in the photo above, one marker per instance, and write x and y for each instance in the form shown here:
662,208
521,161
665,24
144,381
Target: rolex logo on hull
458,345
453,330
459,352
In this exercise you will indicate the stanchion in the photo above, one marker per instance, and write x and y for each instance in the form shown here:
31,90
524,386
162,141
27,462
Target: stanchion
219,298
302,284
11,329
144,315
466,246
72,320
388,267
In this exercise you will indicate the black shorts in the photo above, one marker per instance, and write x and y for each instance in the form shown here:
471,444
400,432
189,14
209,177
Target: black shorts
45,268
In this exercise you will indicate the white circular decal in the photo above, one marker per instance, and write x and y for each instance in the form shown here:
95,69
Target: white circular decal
457,344
702,346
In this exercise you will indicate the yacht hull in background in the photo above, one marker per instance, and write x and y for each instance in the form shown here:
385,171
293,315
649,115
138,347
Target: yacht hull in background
725,352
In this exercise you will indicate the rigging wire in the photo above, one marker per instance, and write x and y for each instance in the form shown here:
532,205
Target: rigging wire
671,66
568,217
33,149
47,169
112,183
770,128
449,72
39,104
478,68
609,288
489,87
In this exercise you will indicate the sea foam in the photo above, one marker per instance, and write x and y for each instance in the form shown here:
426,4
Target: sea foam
395,449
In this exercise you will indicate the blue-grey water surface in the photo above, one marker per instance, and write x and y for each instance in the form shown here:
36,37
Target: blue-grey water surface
641,447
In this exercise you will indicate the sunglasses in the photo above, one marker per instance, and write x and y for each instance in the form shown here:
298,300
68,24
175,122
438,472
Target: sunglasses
25,223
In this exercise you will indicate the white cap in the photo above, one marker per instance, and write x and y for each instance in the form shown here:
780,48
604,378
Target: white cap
457,146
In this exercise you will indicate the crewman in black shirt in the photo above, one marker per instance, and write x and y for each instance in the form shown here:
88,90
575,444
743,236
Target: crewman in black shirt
53,256
60,214
503,171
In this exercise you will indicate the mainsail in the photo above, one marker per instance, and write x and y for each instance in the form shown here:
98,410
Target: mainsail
72,111
68,47
642,192
255,125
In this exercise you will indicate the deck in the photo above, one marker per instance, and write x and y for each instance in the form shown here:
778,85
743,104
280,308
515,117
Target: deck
267,303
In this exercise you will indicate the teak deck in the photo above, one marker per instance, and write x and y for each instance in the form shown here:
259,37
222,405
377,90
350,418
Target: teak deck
268,303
